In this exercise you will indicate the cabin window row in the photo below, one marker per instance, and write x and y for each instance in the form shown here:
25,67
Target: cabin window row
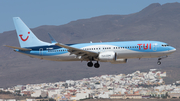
57,50
96,48
130,47
99,48
114,47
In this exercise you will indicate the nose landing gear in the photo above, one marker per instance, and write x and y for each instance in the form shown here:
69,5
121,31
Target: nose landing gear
159,62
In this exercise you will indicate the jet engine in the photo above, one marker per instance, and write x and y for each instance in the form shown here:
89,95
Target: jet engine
110,57
107,56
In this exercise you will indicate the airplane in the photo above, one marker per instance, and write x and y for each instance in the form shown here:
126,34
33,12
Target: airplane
113,52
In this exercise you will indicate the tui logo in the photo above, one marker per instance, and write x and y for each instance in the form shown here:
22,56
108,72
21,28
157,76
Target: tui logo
145,47
26,37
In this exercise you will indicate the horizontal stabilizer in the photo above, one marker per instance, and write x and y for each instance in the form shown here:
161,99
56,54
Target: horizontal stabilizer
24,49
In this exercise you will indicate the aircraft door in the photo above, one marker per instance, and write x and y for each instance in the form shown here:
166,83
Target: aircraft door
154,47
41,51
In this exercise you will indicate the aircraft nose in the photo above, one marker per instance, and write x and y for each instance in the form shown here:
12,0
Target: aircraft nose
172,49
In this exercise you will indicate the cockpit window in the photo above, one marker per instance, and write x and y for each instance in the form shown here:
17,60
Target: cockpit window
164,45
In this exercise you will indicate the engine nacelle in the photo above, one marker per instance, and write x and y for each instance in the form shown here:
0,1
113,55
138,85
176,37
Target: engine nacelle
107,56
110,57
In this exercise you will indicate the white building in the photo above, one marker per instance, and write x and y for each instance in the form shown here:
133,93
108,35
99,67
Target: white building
81,95
51,93
39,93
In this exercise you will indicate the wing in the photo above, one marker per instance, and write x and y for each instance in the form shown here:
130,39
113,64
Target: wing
85,55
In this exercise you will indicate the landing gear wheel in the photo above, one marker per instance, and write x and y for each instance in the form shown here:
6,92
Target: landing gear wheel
97,65
89,64
159,62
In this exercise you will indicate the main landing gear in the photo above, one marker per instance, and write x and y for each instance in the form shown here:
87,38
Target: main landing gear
89,64
96,65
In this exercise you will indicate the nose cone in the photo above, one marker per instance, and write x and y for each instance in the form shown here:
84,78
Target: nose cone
172,49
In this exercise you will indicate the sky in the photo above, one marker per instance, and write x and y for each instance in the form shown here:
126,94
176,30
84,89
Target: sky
58,12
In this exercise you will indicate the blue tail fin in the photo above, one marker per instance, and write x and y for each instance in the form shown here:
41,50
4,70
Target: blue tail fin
26,36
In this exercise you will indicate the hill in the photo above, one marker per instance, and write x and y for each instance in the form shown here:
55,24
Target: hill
155,22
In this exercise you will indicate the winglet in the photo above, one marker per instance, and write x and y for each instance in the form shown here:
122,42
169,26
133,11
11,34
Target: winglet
52,39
